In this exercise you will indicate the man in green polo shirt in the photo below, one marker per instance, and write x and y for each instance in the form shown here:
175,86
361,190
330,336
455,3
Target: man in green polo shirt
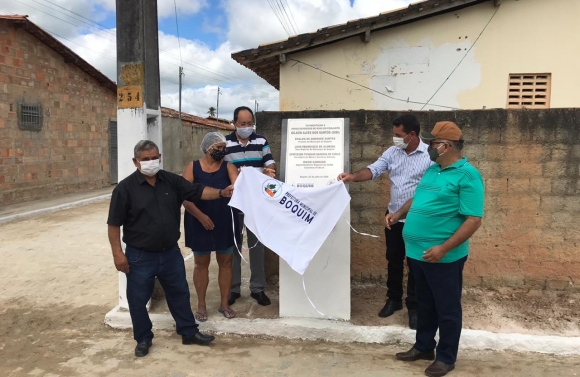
444,213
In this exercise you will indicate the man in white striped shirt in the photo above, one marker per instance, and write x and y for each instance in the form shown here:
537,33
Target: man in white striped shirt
406,162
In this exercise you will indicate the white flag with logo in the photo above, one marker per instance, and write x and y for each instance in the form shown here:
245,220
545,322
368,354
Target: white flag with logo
290,221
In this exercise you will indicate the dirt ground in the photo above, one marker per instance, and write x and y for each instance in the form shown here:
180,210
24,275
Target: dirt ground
505,310
59,282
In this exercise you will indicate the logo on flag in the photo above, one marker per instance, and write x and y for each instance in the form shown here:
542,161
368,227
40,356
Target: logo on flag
272,188
292,222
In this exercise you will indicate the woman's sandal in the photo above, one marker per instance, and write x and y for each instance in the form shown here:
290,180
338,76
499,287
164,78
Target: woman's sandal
229,314
201,316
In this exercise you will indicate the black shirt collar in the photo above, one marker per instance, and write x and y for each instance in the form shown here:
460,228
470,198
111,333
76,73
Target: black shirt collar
141,179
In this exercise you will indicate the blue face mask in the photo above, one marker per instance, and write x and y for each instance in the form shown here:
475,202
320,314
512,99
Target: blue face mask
244,132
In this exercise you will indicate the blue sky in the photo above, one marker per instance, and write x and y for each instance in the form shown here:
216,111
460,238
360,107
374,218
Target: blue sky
209,25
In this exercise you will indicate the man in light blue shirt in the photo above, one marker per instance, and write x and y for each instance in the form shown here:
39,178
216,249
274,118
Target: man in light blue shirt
405,162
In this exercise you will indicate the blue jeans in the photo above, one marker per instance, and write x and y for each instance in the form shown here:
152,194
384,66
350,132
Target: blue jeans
438,290
169,268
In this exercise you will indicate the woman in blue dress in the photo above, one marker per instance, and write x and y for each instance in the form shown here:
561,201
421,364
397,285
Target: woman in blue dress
208,224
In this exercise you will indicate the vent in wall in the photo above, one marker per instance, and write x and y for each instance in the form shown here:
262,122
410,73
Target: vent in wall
530,91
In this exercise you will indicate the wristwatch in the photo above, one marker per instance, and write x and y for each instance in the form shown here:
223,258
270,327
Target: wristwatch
220,193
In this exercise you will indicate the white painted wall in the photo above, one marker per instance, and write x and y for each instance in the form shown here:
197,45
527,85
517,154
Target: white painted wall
416,72
531,36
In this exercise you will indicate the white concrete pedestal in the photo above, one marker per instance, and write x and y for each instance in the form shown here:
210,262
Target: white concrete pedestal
327,279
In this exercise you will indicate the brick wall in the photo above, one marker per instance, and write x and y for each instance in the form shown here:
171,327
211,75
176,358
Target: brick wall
70,153
529,160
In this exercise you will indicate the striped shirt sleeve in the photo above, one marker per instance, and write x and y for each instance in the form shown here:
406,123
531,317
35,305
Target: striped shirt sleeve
267,158
381,165
471,195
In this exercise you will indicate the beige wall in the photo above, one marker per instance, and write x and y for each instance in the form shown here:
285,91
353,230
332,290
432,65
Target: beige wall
529,160
531,36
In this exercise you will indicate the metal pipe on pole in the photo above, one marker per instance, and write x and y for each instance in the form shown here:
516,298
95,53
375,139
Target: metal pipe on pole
180,86
218,106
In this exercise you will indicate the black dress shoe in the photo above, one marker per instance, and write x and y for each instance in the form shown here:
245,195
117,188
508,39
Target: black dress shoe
198,338
261,298
439,369
414,355
390,308
142,348
232,297
413,319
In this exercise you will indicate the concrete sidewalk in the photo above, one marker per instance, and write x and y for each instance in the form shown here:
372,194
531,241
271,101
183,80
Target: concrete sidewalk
39,207
345,332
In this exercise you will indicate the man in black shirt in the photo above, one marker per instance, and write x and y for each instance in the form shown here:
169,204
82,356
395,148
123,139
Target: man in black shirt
147,204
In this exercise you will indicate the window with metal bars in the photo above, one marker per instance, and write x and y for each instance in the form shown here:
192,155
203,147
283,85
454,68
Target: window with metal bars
530,91
29,117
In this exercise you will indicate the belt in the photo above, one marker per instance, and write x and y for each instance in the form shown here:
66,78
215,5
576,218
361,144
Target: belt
163,250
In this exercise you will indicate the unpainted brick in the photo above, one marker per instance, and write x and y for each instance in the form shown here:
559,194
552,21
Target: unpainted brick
530,202
518,185
525,153
475,152
373,151
33,151
554,169
516,169
495,187
541,186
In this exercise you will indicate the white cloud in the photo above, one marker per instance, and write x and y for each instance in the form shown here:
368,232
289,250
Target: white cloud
55,16
253,22
247,24
165,8
197,101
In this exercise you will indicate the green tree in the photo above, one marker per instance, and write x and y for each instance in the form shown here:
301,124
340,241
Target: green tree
211,111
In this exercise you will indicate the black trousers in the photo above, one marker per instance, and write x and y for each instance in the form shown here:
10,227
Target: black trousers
439,288
396,267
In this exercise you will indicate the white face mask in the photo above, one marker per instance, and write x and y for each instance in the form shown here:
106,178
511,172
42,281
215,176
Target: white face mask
400,142
150,168
244,132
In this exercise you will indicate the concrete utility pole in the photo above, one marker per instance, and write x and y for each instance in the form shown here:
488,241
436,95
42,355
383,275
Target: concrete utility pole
138,87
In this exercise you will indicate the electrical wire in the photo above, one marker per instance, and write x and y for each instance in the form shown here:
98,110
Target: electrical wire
177,27
462,59
292,15
287,17
278,16
225,78
366,87
281,17
99,26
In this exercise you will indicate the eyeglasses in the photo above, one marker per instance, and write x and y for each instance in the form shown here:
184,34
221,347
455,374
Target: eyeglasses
438,142
250,124
221,149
